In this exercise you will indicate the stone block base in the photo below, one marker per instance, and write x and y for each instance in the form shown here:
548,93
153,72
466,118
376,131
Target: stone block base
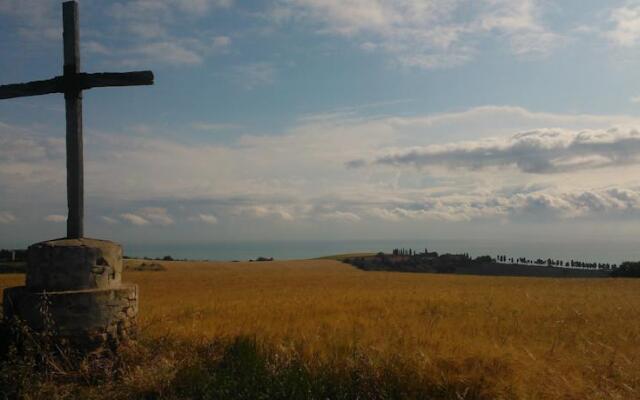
91,316
74,264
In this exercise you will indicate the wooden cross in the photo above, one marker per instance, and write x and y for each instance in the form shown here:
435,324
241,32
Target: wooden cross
72,83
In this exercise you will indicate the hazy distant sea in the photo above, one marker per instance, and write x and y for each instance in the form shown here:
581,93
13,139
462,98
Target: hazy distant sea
610,251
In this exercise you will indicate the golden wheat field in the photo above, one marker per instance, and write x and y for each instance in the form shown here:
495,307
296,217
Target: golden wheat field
524,338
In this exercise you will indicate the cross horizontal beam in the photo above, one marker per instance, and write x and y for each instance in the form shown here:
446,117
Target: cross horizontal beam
108,79
34,88
76,82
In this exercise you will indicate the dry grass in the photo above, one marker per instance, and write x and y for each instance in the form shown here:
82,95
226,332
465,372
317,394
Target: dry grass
526,338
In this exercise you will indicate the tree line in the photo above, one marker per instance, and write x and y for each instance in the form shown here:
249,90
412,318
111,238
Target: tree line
555,263
626,269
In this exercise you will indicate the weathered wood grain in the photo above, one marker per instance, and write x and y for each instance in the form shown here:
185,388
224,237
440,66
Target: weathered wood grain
107,79
36,88
74,82
73,106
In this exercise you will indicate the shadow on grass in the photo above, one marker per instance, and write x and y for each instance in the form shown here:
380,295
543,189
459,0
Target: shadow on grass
247,371
240,368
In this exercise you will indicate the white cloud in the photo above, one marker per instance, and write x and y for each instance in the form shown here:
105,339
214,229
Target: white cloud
199,7
156,215
134,219
148,216
368,46
520,22
340,216
541,151
221,41
148,31
426,33
55,218
109,220
626,25
254,75
266,211
214,126
164,10
163,32
36,19
208,218
384,214
96,48
169,52
7,217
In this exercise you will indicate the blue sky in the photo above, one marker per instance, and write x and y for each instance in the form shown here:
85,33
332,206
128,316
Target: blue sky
327,119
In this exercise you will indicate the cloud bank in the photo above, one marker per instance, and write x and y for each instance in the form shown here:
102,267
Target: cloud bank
338,170
552,204
539,152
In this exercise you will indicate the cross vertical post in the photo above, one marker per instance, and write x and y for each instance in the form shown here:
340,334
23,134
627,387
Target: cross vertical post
73,105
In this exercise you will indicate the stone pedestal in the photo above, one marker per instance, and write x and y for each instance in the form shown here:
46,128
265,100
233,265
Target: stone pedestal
74,288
